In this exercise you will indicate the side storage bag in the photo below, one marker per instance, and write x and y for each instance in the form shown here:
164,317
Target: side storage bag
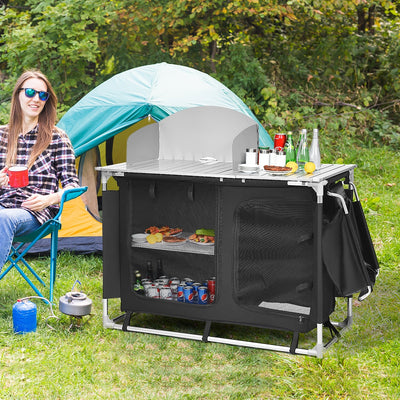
348,253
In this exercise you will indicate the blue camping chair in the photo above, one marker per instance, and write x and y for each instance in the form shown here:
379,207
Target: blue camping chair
50,227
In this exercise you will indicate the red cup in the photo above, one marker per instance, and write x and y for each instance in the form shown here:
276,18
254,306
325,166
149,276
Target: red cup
279,141
18,176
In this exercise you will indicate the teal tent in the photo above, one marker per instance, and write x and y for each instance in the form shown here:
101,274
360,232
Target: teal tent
154,91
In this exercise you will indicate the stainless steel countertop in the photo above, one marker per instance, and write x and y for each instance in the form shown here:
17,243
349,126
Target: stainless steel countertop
220,170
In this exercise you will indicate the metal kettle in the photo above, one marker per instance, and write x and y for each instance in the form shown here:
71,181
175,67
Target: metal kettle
75,303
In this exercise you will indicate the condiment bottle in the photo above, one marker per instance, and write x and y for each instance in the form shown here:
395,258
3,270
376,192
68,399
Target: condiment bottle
251,156
280,158
264,158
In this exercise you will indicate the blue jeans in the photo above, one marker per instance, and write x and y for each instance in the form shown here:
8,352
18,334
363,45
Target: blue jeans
14,222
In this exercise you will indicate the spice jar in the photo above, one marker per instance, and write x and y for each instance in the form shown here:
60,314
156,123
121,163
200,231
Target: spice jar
251,156
280,158
264,158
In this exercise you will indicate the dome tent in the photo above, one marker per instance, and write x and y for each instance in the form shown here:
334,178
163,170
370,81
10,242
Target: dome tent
101,122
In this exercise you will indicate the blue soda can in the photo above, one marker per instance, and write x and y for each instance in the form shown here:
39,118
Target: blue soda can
188,281
189,294
203,294
196,286
180,294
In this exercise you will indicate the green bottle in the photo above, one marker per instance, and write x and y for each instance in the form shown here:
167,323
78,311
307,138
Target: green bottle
303,155
138,287
289,148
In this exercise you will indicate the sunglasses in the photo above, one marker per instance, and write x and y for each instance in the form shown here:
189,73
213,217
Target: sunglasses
29,92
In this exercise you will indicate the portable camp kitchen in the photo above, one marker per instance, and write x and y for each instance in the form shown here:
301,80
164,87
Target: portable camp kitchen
269,257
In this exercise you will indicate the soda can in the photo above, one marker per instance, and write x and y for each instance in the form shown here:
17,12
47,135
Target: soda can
164,279
189,294
203,294
180,294
146,286
165,293
279,141
196,286
211,289
144,280
159,283
174,288
153,292
174,279
188,281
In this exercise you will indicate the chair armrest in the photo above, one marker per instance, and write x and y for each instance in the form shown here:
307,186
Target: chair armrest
70,194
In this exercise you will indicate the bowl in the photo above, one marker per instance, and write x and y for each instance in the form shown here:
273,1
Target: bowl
139,237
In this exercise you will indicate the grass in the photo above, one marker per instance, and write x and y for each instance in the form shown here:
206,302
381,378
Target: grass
90,362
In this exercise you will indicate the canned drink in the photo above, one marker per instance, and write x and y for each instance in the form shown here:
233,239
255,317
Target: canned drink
146,286
279,141
196,286
203,294
159,283
188,281
165,279
211,289
165,293
153,292
174,279
188,291
174,288
180,294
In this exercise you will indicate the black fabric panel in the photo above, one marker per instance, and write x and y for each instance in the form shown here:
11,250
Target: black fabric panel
111,252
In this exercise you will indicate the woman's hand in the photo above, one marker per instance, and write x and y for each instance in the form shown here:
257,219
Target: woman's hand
3,177
38,202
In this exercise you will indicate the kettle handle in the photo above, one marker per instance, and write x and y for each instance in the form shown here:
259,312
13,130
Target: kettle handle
77,281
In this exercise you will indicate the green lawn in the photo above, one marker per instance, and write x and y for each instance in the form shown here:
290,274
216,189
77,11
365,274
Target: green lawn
90,362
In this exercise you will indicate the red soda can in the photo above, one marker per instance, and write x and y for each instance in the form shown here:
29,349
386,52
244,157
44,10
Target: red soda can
211,289
279,141
189,294
180,295
203,294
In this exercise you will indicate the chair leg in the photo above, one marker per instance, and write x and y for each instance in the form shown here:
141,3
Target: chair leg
53,263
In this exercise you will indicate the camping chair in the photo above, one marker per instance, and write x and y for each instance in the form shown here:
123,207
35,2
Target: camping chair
50,227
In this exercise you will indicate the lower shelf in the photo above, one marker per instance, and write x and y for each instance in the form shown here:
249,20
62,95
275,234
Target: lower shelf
316,351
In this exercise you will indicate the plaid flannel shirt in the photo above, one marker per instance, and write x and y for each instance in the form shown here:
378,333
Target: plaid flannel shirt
56,164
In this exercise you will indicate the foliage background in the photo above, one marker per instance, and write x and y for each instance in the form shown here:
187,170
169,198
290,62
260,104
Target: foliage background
332,64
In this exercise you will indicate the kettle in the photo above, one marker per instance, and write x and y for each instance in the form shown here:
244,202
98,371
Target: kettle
75,303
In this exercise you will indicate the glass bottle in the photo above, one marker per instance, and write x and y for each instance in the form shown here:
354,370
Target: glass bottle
138,287
303,155
289,148
160,270
315,155
150,274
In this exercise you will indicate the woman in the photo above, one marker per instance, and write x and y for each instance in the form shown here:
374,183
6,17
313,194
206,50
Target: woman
31,139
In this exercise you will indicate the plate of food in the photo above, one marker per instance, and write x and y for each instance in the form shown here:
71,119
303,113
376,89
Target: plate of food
276,170
164,230
203,237
174,240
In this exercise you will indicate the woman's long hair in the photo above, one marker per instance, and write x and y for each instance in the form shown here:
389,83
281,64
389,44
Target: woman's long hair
46,121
